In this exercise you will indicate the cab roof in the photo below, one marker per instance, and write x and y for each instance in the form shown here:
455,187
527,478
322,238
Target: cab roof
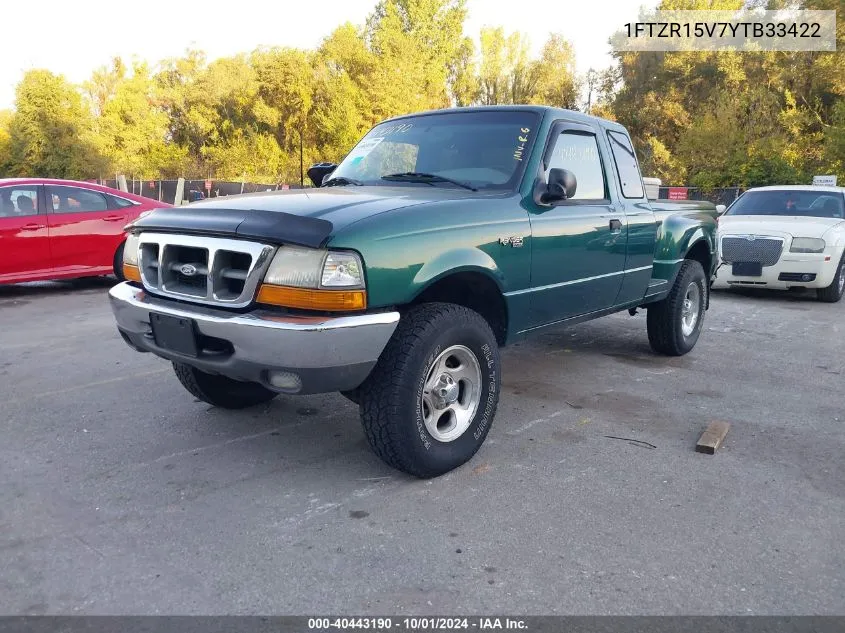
570,115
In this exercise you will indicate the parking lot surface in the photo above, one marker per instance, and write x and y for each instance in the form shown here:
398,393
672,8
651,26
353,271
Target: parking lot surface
121,494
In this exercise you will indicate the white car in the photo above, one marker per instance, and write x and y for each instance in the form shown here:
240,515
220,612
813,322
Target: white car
785,237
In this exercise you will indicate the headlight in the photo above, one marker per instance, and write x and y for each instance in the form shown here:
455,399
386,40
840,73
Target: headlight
342,270
296,267
130,259
807,245
130,250
314,279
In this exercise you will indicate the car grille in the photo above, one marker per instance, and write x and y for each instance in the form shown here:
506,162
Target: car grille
208,270
740,248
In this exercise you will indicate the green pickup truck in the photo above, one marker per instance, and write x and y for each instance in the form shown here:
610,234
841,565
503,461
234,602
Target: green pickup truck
441,237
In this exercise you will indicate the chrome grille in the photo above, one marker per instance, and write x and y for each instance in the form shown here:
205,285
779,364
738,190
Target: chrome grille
208,270
742,248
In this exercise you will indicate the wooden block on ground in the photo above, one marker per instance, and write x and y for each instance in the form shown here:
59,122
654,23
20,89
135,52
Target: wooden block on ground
712,437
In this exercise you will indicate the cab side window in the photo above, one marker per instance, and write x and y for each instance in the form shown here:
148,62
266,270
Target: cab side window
626,163
76,200
578,152
16,202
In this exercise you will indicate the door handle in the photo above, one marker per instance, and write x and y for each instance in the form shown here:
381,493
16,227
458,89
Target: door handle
113,218
615,226
31,227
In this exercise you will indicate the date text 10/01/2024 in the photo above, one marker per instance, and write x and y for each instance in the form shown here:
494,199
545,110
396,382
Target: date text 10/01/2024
416,624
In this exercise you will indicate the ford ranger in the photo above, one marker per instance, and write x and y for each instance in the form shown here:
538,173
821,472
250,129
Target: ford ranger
439,238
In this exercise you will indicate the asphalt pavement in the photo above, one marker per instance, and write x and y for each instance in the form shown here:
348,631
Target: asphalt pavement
122,494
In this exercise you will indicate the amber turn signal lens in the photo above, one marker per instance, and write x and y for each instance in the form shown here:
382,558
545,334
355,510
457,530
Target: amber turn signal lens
307,299
131,273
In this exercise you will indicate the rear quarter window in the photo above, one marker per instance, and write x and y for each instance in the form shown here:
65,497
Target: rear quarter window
630,180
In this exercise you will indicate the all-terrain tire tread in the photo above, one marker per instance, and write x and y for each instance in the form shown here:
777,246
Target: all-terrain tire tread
384,392
237,396
663,327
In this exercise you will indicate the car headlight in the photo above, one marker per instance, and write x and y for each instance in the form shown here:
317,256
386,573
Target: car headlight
130,268
807,245
314,279
130,250
342,270
296,267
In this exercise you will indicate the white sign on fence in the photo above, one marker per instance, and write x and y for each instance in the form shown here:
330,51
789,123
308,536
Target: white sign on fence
825,181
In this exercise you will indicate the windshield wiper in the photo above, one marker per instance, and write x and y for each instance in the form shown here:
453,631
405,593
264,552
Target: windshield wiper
417,176
342,180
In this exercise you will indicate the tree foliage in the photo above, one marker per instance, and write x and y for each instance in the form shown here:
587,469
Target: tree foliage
702,118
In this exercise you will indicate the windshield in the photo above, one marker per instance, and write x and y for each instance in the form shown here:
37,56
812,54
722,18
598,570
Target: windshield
485,150
819,204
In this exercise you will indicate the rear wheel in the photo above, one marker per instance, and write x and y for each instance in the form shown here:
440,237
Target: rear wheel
675,323
835,290
428,404
118,263
221,391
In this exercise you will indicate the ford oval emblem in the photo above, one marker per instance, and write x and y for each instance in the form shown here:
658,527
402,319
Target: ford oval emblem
189,270
751,238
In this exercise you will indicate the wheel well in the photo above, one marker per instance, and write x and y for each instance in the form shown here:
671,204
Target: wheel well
475,291
700,253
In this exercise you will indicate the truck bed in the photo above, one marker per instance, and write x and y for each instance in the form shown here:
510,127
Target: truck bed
665,208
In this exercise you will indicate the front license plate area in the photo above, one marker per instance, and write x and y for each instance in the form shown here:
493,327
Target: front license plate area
747,269
174,334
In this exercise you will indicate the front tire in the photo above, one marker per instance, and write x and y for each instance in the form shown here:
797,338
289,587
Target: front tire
117,264
428,404
833,293
674,324
221,391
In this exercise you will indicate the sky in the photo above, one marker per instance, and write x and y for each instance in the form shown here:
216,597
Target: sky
74,38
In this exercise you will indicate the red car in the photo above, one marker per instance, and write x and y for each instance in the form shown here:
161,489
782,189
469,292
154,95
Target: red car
59,229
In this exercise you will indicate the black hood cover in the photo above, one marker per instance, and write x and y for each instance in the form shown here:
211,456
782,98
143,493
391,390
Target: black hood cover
275,227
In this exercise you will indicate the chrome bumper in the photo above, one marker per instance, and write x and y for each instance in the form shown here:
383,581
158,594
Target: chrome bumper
286,353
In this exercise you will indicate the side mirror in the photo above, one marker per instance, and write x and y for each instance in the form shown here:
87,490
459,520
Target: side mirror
562,185
720,209
317,173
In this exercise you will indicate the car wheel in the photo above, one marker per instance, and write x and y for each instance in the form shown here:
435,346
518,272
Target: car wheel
118,262
675,323
221,391
834,291
428,404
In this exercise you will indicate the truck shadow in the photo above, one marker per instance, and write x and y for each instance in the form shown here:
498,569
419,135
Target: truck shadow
44,288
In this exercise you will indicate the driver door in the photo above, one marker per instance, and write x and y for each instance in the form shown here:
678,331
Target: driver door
579,244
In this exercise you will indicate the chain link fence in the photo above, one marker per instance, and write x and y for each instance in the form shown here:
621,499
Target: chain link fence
165,190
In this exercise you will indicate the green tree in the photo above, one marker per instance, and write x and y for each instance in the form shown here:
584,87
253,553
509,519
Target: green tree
131,129
50,131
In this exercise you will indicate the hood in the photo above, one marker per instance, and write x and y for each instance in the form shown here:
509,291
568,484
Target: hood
305,216
780,225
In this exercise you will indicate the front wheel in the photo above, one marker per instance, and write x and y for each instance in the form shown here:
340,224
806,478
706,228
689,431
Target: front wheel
674,323
221,391
833,293
428,404
118,262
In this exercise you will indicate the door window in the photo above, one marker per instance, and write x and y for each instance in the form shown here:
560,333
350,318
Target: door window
16,202
626,164
76,200
579,153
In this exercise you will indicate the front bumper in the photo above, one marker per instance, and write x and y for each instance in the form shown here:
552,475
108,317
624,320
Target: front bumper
785,273
324,354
